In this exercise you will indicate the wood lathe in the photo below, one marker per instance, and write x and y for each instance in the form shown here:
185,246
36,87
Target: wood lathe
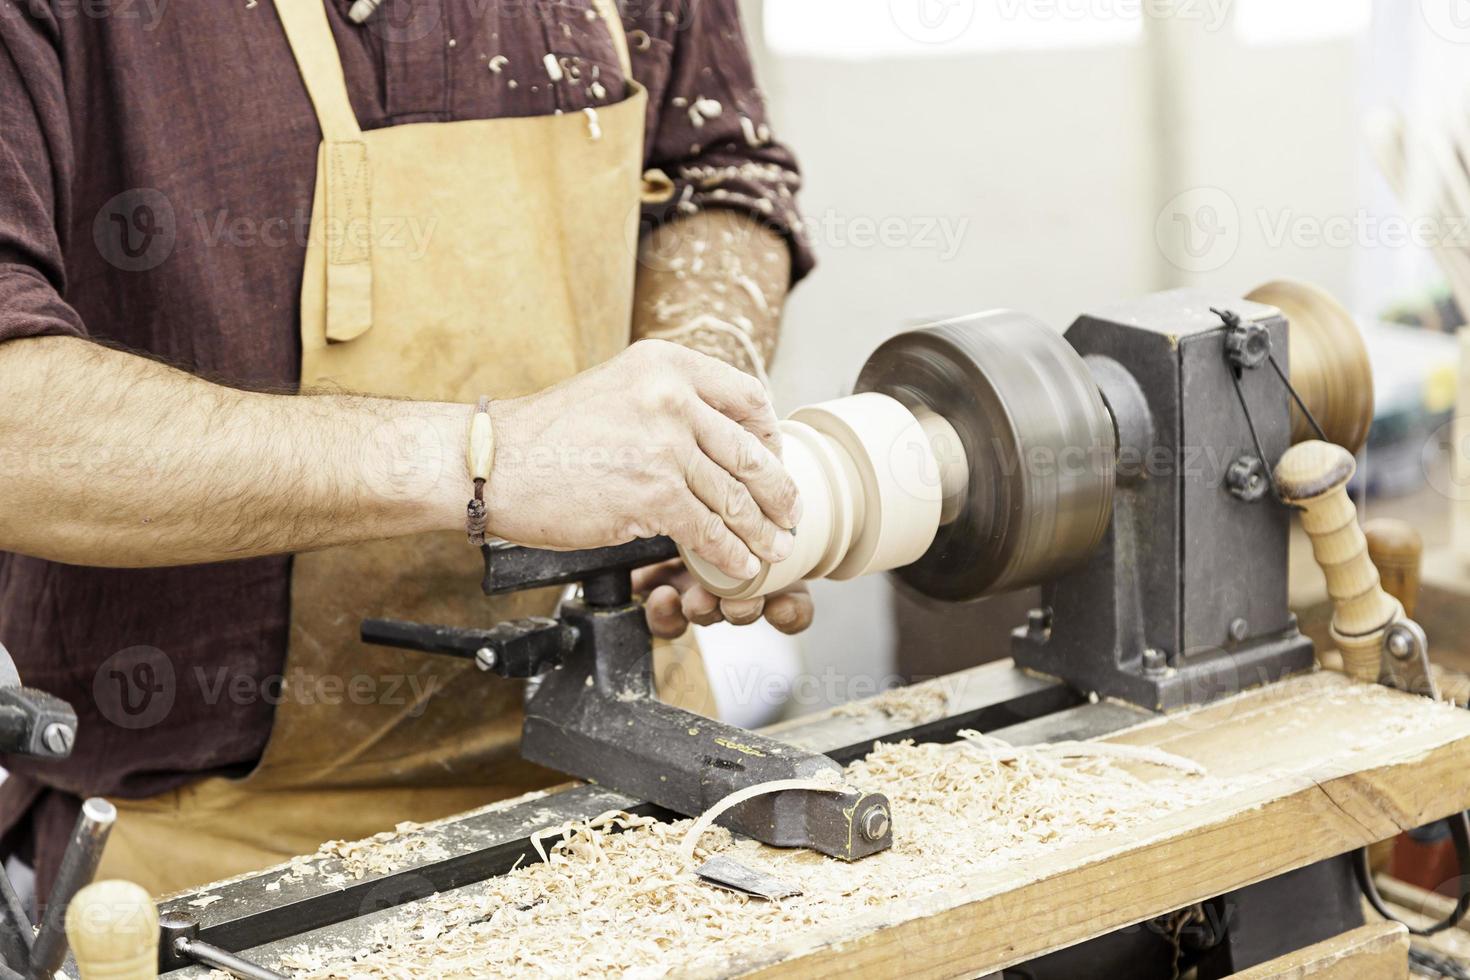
1143,469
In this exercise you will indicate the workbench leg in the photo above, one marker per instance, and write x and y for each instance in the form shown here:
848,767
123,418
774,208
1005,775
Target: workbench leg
1276,917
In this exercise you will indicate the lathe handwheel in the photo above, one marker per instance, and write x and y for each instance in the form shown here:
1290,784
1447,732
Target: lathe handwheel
1040,444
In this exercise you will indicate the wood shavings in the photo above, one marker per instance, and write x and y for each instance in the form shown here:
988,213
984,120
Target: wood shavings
625,904
498,63
594,128
1087,750
339,862
553,68
708,817
205,901
915,703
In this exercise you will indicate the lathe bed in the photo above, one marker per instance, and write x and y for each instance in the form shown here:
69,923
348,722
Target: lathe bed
1309,768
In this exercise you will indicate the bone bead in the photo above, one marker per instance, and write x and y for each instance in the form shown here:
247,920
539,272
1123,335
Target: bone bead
482,447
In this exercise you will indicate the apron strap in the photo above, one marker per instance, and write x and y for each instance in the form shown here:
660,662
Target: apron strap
344,166
608,11
315,50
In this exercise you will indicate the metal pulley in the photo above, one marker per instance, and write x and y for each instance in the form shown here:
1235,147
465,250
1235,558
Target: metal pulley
1329,365
1038,439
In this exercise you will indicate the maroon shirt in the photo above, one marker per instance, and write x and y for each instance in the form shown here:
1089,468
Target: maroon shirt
157,163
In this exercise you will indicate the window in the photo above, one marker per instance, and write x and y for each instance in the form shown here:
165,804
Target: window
1293,21
917,28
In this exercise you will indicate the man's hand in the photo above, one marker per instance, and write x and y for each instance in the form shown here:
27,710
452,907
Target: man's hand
675,601
659,440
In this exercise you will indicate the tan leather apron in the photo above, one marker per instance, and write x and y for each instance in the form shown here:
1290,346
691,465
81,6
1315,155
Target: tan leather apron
445,261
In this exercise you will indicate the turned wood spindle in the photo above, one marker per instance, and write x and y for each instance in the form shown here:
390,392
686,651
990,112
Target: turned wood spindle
1397,551
113,930
1314,476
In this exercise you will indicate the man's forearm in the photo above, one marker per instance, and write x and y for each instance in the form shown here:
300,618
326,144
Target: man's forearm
110,459
717,264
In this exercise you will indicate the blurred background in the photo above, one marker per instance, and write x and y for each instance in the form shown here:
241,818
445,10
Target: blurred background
1054,155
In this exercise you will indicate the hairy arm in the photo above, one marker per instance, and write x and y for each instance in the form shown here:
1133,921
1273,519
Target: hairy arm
111,459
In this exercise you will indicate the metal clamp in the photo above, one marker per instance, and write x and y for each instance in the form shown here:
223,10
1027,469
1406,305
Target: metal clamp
1406,659
32,723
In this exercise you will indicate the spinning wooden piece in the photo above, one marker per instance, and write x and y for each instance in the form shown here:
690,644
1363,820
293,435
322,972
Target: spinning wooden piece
978,456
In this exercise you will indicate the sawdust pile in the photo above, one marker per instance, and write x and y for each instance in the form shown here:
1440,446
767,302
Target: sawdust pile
626,904
916,704
406,844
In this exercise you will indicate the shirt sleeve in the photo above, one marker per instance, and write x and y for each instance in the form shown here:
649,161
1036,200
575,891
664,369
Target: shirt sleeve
707,126
35,176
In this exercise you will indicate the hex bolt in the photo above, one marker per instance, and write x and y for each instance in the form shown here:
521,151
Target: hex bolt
1246,479
1038,622
1239,629
875,823
1247,345
485,658
1155,661
58,738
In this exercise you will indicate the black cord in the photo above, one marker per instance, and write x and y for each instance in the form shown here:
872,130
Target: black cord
1460,831
1311,419
1250,424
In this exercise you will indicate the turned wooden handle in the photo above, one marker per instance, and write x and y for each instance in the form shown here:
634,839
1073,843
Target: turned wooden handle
113,930
1314,475
1397,551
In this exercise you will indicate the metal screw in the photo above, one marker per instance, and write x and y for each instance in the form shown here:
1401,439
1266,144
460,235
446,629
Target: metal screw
1400,644
1239,629
485,658
1155,661
58,738
875,823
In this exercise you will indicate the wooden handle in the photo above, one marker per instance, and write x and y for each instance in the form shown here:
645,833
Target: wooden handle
1397,551
113,930
1314,476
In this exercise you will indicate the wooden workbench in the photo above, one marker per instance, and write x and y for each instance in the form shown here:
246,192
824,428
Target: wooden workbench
1318,776
1307,769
